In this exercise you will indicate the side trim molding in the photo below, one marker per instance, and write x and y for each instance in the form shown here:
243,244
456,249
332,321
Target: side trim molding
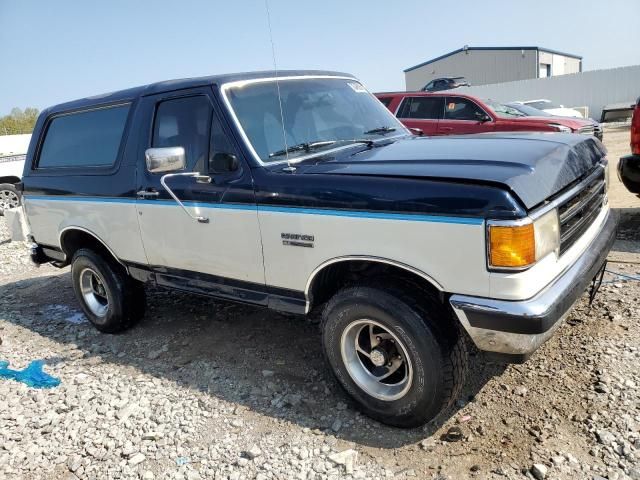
401,216
259,294
366,258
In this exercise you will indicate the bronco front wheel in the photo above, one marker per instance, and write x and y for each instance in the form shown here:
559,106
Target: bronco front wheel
398,355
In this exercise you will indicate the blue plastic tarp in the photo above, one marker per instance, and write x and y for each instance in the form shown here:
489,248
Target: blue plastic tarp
33,375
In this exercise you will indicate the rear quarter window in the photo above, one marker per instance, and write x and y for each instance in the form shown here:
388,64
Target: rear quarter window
84,139
386,101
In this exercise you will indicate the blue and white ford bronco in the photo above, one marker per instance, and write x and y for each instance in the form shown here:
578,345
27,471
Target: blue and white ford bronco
300,191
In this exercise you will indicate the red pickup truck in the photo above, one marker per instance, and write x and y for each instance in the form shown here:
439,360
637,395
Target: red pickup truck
629,166
450,113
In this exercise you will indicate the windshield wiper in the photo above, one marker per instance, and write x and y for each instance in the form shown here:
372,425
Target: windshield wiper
367,141
382,130
306,146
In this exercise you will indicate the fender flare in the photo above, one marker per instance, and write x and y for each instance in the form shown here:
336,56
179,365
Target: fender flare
89,232
366,258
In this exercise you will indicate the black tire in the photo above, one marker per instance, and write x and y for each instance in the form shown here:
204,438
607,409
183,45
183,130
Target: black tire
125,296
8,190
433,343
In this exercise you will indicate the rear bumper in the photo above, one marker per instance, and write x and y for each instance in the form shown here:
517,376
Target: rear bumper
516,329
629,172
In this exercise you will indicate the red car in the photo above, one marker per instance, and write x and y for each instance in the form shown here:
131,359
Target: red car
449,113
629,166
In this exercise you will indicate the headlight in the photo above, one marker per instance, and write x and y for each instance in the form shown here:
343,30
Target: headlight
519,246
560,128
547,233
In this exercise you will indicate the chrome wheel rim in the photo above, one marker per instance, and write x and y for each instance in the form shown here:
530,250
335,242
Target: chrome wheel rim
8,199
376,360
94,292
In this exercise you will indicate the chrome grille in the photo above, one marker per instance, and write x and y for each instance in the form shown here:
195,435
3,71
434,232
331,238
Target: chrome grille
577,213
587,130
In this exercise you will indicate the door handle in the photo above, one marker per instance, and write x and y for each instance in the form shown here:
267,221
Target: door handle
446,129
146,194
202,178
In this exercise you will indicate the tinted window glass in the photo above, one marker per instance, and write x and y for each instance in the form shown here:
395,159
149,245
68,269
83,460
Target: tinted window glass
426,108
405,106
458,108
84,139
184,122
386,101
219,141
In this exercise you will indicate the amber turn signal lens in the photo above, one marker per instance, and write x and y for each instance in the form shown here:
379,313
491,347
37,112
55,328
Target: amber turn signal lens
512,246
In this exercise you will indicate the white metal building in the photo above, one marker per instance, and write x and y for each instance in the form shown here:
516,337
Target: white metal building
486,65
14,144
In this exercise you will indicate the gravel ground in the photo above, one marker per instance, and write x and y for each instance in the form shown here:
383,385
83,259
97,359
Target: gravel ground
206,389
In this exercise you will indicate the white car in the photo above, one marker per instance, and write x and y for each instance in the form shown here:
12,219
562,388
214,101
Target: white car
13,149
550,107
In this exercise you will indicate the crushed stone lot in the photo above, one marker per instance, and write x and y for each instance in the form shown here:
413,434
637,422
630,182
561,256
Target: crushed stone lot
207,389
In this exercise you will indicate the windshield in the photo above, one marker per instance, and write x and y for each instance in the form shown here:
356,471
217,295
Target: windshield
529,111
319,114
503,111
542,104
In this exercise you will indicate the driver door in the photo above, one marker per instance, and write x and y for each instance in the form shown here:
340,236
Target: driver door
463,115
225,243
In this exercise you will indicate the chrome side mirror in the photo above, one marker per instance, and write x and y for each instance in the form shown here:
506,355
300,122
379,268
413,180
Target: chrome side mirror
167,159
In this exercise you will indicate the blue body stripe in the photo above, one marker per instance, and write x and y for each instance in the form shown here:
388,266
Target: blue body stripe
274,209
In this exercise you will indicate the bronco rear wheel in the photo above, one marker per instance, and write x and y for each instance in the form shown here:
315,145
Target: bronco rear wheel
398,355
111,300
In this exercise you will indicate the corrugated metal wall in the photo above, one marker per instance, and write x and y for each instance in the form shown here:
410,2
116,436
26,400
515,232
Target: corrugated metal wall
483,67
479,67
593,89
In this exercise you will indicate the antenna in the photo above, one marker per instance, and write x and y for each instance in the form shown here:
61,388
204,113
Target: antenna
275,68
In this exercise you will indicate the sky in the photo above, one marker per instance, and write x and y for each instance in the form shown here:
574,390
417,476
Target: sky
57,50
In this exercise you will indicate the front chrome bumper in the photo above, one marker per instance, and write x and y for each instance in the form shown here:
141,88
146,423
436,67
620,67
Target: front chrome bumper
517,328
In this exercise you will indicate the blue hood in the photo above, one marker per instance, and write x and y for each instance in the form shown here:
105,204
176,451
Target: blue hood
534,166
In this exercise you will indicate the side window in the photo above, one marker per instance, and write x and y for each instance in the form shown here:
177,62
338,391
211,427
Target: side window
458,108
84,139
220,143
184,122
405,107
386,101
424,108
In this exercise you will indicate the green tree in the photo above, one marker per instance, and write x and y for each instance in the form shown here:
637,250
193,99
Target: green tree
19,121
